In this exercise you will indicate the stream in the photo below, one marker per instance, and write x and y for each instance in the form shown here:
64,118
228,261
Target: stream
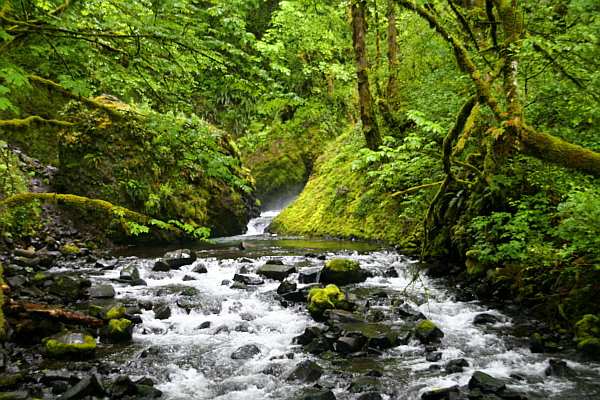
188,354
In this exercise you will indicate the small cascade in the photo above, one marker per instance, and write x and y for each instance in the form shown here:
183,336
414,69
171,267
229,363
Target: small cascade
257,226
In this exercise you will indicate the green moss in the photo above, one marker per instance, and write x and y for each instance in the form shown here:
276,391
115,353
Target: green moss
8,381
95,311
59,349
68,250
115,313
338,201
321,299
587,327
426,326
39,277
119,330
119,325
342,265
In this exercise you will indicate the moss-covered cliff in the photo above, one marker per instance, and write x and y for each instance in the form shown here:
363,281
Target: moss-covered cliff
338,201
164,166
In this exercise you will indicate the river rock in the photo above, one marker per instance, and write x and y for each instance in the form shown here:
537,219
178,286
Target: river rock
27,262
349,344
297,296
408,313
342,272
71,344
162,311
147,391
129,273
106,264
590,348
307,336
364,384
369,396
276,272
17,395
449,393
123,386
245,352
119,330
161,266
189,291
286,287
319,395
200,269
90,386
427,332
67,288
306,371
26,253
247,279
178,258
485,318
457,365
558,368
309,275
102,292
486,383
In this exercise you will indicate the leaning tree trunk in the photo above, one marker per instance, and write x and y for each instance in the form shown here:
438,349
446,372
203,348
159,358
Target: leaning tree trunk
365,101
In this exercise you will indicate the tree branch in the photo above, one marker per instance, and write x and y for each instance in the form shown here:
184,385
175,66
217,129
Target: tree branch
25,122
109,109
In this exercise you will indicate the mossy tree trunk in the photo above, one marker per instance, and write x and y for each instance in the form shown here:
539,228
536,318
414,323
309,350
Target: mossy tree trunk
365,100
512,134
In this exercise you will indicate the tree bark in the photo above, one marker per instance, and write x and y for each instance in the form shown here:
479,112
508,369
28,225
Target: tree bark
392,51
365,101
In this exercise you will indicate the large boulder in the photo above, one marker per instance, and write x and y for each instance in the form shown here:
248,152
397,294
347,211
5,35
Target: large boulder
342,272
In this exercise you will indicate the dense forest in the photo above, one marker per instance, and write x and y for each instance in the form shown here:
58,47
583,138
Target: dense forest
462,132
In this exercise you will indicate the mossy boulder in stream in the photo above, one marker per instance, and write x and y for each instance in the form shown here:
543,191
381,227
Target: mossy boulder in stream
71,345
428,332
321,299
342,272
119,330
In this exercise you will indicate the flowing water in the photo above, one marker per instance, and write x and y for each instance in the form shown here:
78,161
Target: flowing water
189,353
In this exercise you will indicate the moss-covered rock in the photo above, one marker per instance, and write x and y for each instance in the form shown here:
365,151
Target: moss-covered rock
70,250
588,326
428,332
119,330
115,313
321,299
72,345
342,272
